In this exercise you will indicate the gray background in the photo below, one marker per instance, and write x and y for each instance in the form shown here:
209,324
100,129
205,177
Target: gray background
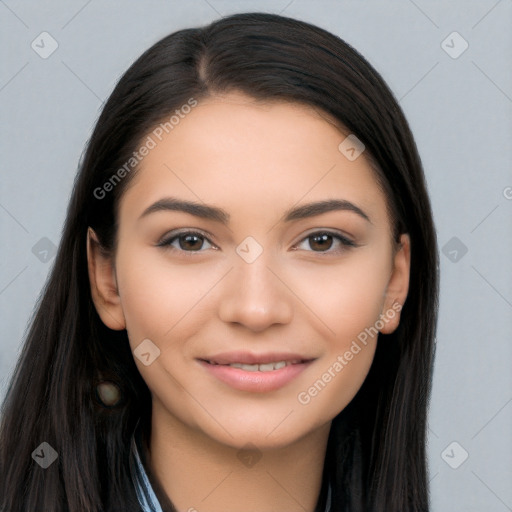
459,110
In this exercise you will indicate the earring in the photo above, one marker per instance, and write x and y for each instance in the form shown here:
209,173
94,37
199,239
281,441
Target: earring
108,393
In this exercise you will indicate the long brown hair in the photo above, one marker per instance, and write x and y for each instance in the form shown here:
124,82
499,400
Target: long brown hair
376,456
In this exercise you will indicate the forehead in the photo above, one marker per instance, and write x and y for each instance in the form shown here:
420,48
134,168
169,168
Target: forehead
232,150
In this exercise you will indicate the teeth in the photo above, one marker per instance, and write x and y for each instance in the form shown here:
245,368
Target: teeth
266,367
246,367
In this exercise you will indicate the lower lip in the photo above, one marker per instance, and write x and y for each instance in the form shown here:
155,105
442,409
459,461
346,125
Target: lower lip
257,382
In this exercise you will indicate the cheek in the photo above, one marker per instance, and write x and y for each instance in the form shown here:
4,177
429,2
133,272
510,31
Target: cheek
346,298
156,294
349,303
159,301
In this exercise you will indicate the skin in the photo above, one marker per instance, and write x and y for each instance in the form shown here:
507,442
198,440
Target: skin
255,161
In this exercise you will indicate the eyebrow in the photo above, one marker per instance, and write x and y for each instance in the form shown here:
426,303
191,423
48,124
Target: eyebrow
219,215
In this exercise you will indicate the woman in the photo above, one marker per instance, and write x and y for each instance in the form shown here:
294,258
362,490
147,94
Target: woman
243,306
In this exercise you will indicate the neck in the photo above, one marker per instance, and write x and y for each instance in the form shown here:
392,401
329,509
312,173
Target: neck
199,474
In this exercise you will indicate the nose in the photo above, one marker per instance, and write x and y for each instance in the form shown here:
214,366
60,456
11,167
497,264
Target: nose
255,297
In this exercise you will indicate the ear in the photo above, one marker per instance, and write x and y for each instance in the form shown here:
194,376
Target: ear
398,286
104,284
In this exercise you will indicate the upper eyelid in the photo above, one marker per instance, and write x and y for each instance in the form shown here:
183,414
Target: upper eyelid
186,231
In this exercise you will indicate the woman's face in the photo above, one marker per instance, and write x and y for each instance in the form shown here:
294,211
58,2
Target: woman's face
298,269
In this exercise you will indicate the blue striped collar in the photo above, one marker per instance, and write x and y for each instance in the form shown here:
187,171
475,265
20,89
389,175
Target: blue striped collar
145,494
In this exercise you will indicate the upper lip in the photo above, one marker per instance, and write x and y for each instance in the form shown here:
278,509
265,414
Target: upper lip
252,358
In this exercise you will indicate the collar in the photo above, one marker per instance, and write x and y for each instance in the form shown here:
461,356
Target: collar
145,493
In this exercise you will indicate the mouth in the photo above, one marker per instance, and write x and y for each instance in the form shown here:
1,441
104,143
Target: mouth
255,373
259,367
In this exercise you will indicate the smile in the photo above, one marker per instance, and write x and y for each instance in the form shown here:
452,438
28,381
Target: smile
256,377
260,367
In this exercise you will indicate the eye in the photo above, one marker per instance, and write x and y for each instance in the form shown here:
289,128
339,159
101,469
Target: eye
193,241
186,241
322,241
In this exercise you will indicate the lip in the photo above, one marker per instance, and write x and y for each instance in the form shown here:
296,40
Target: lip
255,381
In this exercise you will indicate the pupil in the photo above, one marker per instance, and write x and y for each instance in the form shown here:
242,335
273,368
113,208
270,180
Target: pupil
190,240
320,240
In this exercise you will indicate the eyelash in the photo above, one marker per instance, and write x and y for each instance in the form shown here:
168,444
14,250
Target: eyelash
168,240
